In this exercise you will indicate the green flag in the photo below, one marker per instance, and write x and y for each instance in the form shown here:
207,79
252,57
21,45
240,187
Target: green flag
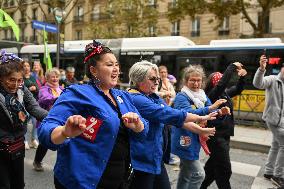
46,58
6,21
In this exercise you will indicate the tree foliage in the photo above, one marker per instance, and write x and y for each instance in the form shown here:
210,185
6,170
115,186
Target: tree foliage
225,8
125,18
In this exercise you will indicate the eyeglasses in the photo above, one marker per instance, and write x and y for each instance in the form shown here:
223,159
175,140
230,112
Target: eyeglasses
195,81
13,81
155,79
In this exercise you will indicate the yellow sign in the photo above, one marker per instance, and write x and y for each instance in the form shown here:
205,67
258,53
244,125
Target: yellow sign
250,101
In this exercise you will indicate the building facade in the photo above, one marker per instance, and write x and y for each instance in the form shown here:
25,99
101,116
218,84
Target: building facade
85,16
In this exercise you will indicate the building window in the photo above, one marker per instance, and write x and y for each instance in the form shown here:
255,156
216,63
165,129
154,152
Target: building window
79,15
225,27
79,35
152,31
130,31
96,12
195,27
152,3
34,14
6,34
175,28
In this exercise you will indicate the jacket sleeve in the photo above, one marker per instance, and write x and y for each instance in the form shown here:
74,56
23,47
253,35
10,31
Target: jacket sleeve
32,106
236,89
222,84
182,102
141,135
261,82
159,113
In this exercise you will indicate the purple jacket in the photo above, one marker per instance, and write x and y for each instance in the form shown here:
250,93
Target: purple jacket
46,98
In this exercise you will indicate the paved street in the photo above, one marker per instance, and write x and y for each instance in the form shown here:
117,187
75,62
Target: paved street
247,171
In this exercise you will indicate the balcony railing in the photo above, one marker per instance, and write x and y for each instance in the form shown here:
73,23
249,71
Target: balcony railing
172,5
195,33
176,33
223,32
78,18
99,16
153,5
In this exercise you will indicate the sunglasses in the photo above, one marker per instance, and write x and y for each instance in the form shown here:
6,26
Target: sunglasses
155,79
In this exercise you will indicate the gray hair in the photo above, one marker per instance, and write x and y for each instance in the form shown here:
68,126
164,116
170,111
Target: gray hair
139,71
70,69
193,69
52,71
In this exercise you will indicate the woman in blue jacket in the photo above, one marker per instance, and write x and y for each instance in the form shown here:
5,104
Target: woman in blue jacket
149,170
186,144
92,127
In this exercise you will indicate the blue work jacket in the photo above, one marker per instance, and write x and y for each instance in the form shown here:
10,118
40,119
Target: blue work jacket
185,144
81,160
148,153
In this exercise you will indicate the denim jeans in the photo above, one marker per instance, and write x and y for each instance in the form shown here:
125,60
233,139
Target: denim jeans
275,162
34,130
191,174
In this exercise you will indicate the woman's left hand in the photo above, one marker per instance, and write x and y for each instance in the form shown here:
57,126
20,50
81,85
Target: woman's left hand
132,121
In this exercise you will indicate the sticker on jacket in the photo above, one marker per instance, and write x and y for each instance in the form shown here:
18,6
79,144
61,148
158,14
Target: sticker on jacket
92,128
185,140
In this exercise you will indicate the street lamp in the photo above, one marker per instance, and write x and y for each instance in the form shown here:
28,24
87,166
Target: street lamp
58,14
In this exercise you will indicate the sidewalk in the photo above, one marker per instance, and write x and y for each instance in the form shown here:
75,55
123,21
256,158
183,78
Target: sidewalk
251,138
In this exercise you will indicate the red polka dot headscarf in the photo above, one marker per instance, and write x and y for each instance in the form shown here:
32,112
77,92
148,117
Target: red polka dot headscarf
216,78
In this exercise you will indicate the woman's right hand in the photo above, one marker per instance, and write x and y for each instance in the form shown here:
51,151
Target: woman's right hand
74,126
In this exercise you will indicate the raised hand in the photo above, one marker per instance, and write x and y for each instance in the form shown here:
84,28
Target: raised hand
242,72
263,62
132,121
239,65
74,126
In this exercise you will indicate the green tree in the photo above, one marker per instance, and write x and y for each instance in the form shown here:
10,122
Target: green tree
225,8
125,18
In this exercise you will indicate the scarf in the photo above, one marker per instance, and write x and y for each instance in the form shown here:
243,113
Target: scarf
198,98
15,105
55,89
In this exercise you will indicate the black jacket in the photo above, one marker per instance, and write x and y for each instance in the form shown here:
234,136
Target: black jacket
7,128
225,124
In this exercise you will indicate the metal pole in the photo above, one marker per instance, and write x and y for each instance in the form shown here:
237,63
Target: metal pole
58,45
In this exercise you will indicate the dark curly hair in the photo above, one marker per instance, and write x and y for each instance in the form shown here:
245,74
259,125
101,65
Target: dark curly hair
9,63
93,53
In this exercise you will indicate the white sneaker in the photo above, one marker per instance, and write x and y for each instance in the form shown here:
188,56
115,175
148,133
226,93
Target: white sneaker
34,143
27,147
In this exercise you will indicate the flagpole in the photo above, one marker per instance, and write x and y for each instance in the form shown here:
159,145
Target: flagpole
58,45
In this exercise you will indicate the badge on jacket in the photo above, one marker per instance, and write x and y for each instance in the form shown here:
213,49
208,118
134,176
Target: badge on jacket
185,140
92,127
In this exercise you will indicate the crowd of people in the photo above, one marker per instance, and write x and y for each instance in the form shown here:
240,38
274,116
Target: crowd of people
108,138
